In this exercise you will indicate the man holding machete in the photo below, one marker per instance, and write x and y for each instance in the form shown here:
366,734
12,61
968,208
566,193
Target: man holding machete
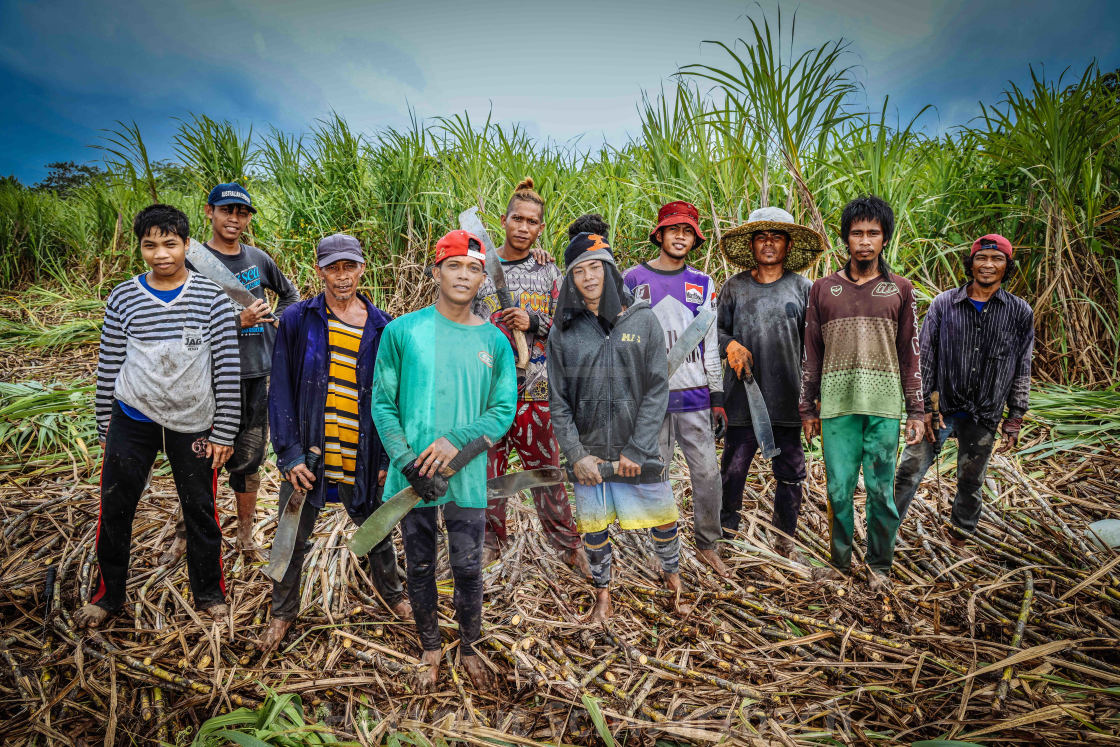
230,211
444,380
530,283
608,375
678,293
761,334
321,400
167,374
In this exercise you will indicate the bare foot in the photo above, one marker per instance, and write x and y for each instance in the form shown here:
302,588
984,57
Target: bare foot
879,582
490,553
275,633
576,559
219,613
175,552
673,584
245,542
602,611
477,671
428,676
402,609
90,616
828,573
712,559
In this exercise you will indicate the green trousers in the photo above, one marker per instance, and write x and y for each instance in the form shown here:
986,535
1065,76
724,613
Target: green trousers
848,442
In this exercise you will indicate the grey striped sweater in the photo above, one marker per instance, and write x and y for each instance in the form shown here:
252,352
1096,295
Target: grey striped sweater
178,362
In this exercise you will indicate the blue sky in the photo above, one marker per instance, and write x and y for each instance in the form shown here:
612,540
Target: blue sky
563,70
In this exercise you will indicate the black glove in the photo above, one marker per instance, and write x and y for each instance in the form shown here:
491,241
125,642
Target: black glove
428,488
719,422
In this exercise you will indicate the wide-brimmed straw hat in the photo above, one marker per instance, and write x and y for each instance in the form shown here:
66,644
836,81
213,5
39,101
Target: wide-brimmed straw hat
805,243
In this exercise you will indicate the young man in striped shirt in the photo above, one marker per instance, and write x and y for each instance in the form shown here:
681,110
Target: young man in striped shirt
167,377
320,399
861,371
977,342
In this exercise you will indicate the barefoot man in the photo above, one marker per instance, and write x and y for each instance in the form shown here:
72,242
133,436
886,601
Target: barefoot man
608,372
320,399
444,378
167,378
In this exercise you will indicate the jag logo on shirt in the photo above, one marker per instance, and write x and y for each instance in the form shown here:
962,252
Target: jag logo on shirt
193,338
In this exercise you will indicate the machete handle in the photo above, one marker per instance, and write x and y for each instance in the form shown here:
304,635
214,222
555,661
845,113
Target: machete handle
470,450
522,348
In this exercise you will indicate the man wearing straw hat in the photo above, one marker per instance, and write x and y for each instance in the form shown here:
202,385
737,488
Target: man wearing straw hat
976,342
761,326
861,370
679,292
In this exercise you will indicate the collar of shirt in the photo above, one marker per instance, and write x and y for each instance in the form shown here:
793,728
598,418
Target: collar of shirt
960,295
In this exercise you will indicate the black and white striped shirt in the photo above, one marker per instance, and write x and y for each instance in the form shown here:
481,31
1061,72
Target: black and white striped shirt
177,362
978,360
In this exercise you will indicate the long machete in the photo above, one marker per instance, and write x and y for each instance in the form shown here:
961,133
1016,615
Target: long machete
380,523
544,477
284,541
691,337
471,223
212,268
760,419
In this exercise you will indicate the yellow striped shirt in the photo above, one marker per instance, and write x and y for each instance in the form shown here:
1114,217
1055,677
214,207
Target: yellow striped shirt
341,414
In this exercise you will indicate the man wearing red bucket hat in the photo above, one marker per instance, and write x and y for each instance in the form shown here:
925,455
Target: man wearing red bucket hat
679,292
976,346
444,382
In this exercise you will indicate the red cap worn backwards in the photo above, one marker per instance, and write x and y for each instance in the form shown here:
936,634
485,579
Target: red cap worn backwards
992,241
460,244
673,213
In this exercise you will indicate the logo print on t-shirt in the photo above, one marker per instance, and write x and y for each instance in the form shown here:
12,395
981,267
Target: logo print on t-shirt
837,290
642,292
885,289
693,293
192,339
486,358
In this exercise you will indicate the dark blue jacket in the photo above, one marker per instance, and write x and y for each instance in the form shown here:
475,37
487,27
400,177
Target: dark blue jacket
297,397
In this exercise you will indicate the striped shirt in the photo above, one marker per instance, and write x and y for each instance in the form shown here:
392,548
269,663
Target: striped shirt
340,418
978,360
176,361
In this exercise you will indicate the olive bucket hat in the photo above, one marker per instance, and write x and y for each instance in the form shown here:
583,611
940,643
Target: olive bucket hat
805,243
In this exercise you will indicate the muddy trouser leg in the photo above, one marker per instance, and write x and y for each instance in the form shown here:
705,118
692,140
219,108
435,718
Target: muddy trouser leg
739,446
916,461
419,527
880,450
497,462
597,547
667,545
842,445
381,561
197,484
789,472
252,437
130,450
285,593
698,443
974,450
533,438
465,529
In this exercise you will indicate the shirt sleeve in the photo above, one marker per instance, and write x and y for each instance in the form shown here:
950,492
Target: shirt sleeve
386,410
110,356
283,421
486,300
279,284
725,317
543,319
225,371
712,363
501,400
813,357
1018,401
908,351
643,446
929,342
559,405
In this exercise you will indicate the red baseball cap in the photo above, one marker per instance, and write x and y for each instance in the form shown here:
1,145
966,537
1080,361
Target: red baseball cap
460,243
992,241
673,213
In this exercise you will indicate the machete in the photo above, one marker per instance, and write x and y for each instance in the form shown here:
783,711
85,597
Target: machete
380,523
545,477
210,267
690,338
760,419
284,541
470,222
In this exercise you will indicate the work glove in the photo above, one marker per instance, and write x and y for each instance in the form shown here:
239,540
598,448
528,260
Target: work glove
428,488
1010,428
739,358
719,422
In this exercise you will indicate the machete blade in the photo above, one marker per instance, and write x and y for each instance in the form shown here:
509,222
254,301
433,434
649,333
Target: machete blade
692,336
515,482
760,419
380,523
284,541
209,266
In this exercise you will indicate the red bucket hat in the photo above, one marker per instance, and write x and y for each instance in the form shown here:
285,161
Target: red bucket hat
992,241
673,213
460,243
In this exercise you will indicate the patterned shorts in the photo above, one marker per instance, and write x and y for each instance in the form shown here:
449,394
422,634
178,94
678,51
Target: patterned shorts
634,506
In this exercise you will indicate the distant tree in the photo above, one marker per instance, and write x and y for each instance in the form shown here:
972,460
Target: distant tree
10,181
173,176
64,177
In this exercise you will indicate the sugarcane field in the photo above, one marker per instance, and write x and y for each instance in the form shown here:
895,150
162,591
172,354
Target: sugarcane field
790,415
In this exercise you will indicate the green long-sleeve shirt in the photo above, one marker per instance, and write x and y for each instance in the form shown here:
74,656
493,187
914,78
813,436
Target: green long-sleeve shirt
435,377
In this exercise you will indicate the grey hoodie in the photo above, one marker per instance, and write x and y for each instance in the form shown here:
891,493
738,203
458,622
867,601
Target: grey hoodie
608,391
